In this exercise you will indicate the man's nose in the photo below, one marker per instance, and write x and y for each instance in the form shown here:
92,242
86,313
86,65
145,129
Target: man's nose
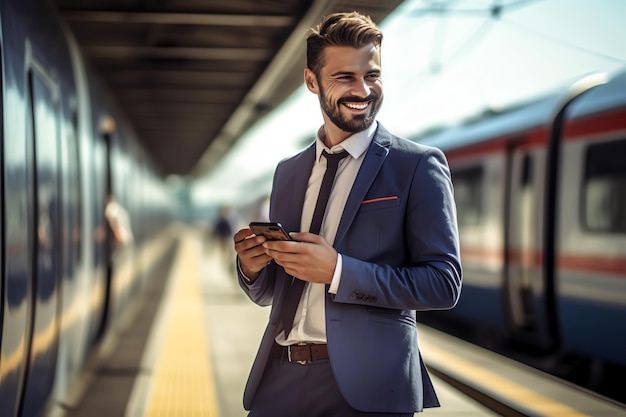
361,88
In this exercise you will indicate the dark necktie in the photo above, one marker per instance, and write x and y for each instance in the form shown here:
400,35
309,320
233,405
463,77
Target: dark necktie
297,285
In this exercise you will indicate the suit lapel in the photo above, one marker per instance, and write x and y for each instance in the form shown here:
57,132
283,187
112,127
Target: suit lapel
376,154
290,214
296,189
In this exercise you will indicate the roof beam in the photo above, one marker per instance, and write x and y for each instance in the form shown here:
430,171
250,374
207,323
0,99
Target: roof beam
179,18
170,52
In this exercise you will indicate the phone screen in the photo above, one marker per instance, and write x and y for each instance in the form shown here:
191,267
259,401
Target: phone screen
271,230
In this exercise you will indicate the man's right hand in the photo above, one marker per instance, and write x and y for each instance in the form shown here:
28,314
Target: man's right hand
252,256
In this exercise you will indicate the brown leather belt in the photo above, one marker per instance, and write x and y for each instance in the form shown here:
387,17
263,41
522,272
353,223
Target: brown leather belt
301,353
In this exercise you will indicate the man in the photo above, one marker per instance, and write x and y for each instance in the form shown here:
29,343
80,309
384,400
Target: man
352,348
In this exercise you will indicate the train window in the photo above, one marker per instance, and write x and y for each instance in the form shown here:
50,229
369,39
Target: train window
468,195
604,188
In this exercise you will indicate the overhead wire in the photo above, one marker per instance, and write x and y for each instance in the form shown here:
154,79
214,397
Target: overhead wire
444,7
562,42
493,12
467,46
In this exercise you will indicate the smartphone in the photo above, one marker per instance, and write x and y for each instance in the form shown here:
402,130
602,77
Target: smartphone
271,230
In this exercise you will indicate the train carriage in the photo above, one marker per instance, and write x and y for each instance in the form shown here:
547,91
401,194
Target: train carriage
64,283
541,196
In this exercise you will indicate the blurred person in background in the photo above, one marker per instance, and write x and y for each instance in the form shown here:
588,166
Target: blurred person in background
221,234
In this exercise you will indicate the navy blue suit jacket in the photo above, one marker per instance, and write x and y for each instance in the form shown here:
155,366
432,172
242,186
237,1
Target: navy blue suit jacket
399,242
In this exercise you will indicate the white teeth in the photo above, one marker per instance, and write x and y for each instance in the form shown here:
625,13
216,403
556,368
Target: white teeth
357,106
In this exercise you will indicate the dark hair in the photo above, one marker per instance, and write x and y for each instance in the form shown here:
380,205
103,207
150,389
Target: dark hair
340,29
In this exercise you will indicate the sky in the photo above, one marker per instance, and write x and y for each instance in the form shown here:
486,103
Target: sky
443,61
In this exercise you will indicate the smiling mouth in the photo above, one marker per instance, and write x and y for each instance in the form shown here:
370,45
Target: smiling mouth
357,106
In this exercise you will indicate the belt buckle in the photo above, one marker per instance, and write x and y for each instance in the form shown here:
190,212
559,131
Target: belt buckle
289,354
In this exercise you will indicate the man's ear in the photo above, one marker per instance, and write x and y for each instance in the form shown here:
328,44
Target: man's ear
310,80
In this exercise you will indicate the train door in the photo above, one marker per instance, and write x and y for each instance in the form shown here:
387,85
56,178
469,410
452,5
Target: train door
531,244
526,287
44,320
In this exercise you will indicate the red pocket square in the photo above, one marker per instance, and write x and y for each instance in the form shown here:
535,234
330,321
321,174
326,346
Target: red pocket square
376,200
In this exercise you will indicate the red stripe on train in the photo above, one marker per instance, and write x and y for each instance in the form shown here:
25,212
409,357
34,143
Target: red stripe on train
614,265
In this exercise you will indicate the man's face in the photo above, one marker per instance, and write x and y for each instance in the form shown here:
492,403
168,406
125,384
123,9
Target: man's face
349,87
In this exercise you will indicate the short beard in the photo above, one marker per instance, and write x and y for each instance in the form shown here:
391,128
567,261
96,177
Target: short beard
354,124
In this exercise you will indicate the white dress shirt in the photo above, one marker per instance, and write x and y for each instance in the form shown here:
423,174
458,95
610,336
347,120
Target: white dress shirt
310,322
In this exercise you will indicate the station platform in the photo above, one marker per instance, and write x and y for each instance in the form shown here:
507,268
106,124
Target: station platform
187,348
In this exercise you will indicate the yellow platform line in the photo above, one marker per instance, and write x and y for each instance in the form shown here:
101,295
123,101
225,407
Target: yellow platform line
489,380
182,381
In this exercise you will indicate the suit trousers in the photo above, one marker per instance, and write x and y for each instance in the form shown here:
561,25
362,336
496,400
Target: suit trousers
295,390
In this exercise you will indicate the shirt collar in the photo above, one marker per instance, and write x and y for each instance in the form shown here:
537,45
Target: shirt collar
356,144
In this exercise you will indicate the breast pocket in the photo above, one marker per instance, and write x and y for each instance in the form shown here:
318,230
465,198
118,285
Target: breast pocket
379,203
376,233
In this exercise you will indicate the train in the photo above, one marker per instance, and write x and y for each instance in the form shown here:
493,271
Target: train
85,214
541,204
